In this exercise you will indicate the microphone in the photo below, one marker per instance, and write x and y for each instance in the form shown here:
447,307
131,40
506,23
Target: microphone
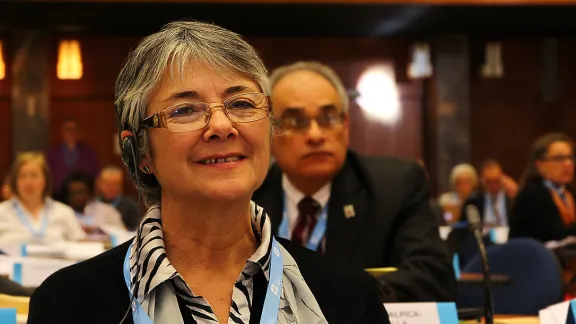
473,217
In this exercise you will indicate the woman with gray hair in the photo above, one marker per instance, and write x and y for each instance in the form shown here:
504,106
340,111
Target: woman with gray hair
192,104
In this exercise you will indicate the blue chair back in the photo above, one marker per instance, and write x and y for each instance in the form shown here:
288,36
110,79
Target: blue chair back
535,278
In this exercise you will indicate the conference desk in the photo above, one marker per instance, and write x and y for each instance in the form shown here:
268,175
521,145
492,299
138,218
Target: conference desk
478,278
507,319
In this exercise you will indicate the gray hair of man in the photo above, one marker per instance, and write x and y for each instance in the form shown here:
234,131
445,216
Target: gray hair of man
322,69
111,169
171,50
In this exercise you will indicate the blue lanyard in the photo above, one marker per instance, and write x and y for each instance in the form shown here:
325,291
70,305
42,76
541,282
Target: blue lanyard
271,301
26,221
317,234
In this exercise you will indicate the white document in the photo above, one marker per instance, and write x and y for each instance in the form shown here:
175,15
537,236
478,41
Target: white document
444,231
30,272
555,314
421,313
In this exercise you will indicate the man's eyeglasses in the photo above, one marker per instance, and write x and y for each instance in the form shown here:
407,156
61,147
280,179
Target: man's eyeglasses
192,116
300,123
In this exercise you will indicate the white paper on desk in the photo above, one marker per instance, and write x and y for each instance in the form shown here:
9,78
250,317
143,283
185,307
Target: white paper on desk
555,314
118,235
422,313
82,250
34,270
445,231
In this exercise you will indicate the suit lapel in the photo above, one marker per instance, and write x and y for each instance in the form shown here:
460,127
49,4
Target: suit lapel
270,196
348,193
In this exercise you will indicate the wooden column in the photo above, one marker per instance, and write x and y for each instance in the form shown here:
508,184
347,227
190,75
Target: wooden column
30,91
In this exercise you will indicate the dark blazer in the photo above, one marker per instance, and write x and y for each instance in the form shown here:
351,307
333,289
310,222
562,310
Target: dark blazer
394,225
94,291
534,214
478,200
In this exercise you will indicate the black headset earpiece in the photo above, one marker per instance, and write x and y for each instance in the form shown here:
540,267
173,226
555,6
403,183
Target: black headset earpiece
128,154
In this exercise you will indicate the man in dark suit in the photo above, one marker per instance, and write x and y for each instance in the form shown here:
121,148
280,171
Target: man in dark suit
493,201
372,212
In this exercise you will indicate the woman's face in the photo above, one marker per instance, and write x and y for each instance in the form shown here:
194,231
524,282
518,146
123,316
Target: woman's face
178,160
31,181
464,185
557,165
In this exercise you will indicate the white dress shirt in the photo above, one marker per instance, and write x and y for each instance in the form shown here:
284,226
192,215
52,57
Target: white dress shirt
500,204
61,225
293,197
99,214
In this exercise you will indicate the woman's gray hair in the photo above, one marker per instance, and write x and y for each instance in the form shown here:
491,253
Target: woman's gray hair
323,70
174,47
463,169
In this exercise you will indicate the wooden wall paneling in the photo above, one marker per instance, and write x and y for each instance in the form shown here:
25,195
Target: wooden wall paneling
6,112
507,114
90,100
349,57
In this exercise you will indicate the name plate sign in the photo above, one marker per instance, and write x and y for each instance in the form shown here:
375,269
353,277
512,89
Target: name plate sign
561,313
422,313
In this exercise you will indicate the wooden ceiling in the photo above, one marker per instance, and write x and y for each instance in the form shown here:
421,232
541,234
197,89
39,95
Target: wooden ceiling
275,19
350,2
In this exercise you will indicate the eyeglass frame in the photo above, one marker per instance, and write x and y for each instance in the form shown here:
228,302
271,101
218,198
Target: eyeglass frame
158,119
341,115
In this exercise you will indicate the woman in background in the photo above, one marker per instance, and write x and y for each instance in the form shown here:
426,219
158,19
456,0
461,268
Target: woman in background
30,215
464,180
544,206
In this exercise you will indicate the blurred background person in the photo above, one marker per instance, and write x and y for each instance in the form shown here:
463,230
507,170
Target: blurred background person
496,193
69,156
464,180
78,190
110,186
31,215
6,191
544,206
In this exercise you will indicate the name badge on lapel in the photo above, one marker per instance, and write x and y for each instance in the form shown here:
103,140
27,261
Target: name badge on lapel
349,211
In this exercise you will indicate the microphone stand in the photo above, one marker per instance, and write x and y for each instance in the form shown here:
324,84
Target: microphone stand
488,301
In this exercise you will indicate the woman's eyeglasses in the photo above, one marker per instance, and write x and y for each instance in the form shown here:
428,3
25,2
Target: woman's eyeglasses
192,116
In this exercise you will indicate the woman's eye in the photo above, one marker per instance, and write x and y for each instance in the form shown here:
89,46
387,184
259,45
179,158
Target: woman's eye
184,111
241,104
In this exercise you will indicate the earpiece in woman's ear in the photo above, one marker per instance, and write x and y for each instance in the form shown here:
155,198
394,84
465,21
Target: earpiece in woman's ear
146,169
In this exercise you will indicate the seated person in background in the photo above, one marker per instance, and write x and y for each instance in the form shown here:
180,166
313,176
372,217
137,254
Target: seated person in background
544,206
6,191
497,192
110,184
31,215
79,193
371,212
464,180
207,252
70,155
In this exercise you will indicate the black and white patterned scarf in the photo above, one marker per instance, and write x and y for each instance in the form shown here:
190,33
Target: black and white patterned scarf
158,285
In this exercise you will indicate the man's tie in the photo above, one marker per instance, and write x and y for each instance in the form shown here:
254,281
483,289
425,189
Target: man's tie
307,210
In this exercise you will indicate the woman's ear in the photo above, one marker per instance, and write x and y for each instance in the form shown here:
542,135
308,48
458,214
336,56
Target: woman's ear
125,133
